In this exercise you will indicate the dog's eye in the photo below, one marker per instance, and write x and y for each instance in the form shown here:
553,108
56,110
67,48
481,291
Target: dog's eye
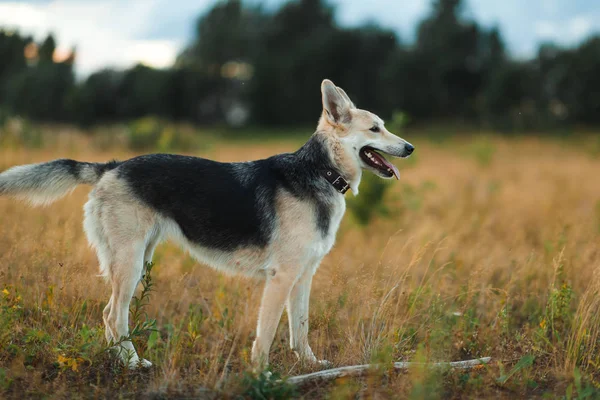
374,129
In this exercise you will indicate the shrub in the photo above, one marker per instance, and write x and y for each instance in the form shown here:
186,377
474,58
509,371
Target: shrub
144,133
19,132
370,203
267,385
150,133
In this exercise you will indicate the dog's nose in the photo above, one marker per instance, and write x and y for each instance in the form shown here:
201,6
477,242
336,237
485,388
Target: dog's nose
408,149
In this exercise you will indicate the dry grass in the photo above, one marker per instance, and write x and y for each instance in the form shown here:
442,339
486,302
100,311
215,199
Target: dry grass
492,249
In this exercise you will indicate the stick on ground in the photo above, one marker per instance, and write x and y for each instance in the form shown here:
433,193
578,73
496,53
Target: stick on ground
359,370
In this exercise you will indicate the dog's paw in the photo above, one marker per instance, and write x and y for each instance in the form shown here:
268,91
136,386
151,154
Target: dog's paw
139,364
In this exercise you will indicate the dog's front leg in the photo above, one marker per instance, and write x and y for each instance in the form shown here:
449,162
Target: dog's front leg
277,290
297,309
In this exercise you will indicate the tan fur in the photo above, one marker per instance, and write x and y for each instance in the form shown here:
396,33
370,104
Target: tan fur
348,132
298,250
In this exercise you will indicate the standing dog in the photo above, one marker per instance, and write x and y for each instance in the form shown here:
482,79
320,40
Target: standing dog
274,219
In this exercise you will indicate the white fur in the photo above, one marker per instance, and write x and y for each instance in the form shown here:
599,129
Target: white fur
48,188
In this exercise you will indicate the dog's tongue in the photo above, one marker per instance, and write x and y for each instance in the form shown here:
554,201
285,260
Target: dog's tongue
389,165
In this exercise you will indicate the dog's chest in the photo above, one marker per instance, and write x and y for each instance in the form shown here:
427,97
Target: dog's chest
307,228
324,240
337,212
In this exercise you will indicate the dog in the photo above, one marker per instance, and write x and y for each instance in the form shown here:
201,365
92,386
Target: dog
273,219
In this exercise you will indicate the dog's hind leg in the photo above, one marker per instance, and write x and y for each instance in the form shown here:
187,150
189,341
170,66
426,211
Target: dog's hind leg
105,314
153,239
125,275
96,236
121,231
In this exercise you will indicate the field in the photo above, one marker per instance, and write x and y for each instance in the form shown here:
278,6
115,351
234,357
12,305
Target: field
487,246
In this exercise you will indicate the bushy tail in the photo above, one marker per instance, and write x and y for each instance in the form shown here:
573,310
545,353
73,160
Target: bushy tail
47,182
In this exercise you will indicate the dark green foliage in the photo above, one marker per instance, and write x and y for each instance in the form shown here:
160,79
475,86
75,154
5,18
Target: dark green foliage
371,202
268,64
266,385
145,134
41,92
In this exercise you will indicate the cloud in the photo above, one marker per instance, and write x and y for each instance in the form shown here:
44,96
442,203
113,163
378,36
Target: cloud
106,33
545,30
402,16
566,32
579,27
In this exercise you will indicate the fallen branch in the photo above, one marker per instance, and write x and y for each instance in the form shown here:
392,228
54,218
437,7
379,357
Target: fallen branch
359,370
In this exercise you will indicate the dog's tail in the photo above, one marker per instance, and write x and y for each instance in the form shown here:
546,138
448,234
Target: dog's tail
44,183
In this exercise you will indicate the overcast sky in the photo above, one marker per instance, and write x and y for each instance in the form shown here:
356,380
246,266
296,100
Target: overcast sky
119,33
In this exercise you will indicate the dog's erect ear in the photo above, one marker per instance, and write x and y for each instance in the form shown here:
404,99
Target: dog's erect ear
337,109
345,96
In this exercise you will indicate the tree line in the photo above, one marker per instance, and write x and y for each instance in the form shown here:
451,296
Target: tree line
251,65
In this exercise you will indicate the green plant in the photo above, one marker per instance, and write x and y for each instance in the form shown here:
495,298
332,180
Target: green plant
583,390
597,209
150,133
266,385
144,133
558,315
482,150
20,132
426,382
399,120
5,381
371,202
522,365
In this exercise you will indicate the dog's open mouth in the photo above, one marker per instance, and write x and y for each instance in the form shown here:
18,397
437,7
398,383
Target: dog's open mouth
376,161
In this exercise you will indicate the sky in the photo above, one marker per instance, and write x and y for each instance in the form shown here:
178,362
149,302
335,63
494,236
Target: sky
121,33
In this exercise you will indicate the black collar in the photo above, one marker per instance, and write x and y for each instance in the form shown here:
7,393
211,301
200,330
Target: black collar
336,180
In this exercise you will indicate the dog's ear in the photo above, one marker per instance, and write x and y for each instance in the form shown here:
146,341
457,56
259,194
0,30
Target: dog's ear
336,108
345,96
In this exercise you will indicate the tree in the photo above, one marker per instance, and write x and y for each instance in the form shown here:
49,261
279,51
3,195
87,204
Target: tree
40,92
449,48
46,50
12,54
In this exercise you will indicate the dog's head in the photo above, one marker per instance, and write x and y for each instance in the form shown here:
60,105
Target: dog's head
359,137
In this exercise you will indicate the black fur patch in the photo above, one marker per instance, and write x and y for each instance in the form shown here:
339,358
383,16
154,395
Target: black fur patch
230,205
76,168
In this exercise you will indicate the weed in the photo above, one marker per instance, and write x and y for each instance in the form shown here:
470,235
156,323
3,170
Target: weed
521,366
266,385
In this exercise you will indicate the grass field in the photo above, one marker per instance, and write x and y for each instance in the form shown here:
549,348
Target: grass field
489,246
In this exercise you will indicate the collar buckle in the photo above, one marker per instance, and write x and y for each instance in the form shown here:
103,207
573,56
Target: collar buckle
337,181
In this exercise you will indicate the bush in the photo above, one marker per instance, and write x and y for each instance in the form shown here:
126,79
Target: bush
144,133
371,200
19,132
150,133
